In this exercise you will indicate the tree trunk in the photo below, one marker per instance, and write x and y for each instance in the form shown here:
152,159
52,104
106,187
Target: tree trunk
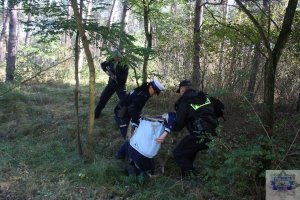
273,58
104,45
298,104
85,16
148,34
27,36
253,73
272,62
257,54
89,145
3,37
66,33
196,74
76,90
12,44
221,60
123,24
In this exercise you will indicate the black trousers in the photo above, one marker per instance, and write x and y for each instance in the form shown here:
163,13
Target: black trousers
108,91
185,152
145,165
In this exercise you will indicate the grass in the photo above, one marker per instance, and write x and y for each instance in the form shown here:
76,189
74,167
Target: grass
38,154
39,159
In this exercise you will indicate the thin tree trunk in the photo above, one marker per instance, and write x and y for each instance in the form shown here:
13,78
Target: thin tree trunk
3,37
253,74
298,104
196,74
257,55
221,60
12,44
66,33
111,13
27,36
123,24
85,16
108,24
76,90
148,34
89,145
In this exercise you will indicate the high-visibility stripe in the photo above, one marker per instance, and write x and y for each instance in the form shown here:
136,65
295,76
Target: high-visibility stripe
197,106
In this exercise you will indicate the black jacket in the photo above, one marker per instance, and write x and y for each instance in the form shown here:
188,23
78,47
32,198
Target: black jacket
119,71
132,105
195,111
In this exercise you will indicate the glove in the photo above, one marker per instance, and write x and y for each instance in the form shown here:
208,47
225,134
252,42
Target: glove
134,124
170,122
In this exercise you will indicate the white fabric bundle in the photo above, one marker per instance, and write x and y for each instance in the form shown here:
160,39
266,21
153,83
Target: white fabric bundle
144,137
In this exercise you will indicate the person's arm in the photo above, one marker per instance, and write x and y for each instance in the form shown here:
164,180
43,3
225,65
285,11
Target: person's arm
135,108
181,117
162,137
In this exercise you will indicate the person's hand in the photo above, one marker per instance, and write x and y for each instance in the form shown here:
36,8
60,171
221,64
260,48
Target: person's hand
161,138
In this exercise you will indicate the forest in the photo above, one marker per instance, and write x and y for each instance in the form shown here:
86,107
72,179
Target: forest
246,53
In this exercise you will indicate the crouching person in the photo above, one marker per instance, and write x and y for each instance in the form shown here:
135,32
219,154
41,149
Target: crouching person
128,110
199,114
143,146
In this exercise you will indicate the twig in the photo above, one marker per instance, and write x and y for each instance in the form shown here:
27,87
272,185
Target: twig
256,115
35,76
287,152
234,28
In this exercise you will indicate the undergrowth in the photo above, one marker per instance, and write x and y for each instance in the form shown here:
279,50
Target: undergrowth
39,159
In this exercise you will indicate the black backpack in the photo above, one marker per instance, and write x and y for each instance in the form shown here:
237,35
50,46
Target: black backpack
218,107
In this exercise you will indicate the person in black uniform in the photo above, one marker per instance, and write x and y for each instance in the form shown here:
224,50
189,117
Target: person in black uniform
118,73
196,112
128,110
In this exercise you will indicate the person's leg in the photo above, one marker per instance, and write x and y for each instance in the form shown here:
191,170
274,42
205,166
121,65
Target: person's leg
123,151
123,125
143,164
105,96
121,91
185,153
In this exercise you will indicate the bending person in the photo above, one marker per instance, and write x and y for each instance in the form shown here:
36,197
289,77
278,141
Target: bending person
117,73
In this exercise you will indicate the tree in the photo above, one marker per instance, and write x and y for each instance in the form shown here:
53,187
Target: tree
80,27
257,54
148,35
123,24
197,43
272,57
3,39
12,43
76,90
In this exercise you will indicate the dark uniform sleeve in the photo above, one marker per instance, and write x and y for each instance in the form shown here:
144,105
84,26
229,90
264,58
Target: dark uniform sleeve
134,109
104,65
181,117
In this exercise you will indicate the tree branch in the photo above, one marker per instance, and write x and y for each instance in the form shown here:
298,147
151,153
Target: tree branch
236,29
256,24
285,30
287,152
37,74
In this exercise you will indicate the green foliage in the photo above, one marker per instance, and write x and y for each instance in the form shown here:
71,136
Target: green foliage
35,58
294,44
234,169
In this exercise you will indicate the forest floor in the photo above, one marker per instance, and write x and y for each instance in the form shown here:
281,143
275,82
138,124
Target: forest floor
39,157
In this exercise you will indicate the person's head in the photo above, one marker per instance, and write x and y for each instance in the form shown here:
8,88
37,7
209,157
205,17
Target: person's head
117,55
184,85
155,87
